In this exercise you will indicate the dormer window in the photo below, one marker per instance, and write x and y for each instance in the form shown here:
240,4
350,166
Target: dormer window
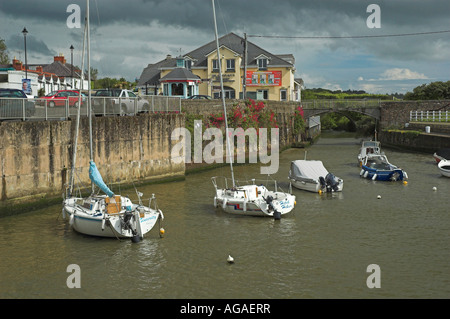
262,63
189,64
180,62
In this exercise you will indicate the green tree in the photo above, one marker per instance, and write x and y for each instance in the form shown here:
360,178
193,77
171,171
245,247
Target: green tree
4,58
433,91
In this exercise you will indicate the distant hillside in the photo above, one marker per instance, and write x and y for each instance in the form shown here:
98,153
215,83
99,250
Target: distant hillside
319,93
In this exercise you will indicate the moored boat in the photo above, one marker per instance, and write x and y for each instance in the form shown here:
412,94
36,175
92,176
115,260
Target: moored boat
442,154
248,199
444,167
107,215
377,167
311,175
251,199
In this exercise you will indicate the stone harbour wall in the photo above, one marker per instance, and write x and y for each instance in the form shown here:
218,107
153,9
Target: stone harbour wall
36,157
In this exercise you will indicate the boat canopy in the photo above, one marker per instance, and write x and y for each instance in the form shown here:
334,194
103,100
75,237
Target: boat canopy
308,169
97,179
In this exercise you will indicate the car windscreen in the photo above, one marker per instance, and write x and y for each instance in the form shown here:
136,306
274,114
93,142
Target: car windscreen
11,93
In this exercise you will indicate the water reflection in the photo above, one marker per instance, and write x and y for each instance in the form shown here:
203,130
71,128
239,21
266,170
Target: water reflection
320,250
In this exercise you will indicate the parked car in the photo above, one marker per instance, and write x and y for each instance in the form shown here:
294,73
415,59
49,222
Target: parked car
12,103
199,97
118,101
58,98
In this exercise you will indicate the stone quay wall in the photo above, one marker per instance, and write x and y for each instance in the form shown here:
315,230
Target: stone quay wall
36,157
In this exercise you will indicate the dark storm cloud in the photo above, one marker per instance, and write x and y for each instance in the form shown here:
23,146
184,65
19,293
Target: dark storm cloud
302,16
16,42
128,35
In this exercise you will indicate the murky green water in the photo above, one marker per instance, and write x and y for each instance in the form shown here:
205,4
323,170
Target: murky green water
320,250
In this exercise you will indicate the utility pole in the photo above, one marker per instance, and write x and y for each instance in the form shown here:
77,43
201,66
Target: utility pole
244,83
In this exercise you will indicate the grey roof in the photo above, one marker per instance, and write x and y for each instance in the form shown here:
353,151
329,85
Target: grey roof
236,43
151,74
180,74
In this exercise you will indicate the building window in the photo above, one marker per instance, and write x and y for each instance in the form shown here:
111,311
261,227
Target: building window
166,89
215,65
265,94
188,64
230,65
283,95
262,64
229,92
177,89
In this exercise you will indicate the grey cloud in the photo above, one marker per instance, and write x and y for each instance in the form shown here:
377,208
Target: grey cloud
16,42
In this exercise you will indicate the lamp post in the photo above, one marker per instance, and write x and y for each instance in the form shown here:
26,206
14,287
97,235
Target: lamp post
25,32
71,64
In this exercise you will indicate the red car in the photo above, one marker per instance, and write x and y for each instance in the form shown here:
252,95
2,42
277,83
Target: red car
58,98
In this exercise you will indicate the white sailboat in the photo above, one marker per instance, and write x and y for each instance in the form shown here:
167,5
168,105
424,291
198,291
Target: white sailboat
246,199
106,215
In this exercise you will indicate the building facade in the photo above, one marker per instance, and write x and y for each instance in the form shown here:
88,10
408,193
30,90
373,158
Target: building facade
43,78
261,74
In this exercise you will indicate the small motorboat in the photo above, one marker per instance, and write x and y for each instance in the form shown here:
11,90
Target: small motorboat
368,147
377,167
442,154
444,167
311,175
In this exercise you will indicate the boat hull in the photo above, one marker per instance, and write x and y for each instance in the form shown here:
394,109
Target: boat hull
314,186
383,175
444,167
102,224
249,201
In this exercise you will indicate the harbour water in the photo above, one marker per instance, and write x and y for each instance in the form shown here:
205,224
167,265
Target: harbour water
320,250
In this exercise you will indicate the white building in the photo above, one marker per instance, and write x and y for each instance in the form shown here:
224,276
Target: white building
49,77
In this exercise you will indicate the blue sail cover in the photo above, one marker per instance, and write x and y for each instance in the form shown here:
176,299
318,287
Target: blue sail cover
97,179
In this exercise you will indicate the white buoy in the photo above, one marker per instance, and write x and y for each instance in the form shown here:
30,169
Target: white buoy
379,196
230,259
435,188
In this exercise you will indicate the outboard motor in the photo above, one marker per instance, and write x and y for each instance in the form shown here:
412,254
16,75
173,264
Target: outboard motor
127,223
276,214
332,182
322,181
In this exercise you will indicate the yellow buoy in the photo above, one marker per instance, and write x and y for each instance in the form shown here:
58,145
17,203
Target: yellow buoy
295,202
161,231
405,182
320,192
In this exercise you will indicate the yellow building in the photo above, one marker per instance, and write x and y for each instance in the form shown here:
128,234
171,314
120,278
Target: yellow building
267,76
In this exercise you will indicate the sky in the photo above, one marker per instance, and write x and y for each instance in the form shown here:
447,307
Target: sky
126,36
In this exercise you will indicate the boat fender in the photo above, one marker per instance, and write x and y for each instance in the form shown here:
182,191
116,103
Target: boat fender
366,173
63,213
103,223
71,219
374,177
361,173
245,205
161,214
215,201
224,203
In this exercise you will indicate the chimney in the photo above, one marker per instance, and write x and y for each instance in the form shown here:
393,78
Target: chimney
60,58
168,57
17,64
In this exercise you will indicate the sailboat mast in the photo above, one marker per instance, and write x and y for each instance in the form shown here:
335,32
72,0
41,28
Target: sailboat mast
91,149
72,176
223,95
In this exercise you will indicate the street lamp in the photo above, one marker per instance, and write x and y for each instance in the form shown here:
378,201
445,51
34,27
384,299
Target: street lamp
25,32
71,63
